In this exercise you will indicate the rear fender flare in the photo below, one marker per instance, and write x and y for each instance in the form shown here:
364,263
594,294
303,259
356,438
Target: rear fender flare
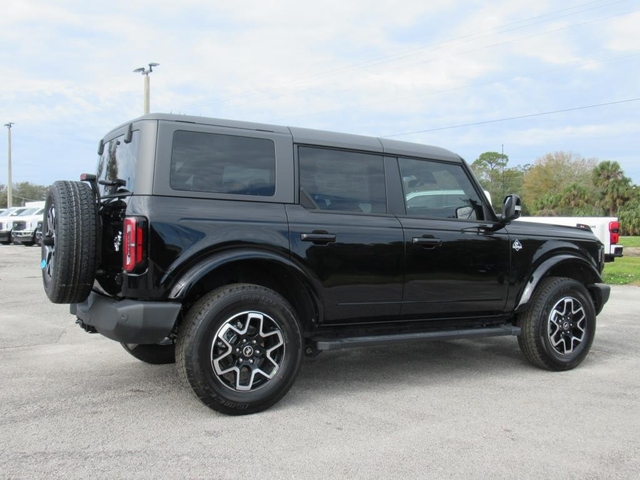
205,266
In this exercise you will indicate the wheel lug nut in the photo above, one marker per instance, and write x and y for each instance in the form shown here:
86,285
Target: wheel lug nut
237,349
244,340
254,342
257,352
251,361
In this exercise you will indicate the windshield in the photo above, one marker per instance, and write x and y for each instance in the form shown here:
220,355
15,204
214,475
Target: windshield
118,161
39,212
17,212
28,211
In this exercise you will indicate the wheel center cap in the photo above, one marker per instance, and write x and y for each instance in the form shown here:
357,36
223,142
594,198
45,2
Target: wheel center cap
247,351
565,325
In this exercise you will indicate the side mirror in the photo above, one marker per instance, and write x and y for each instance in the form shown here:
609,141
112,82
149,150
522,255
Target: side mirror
511,208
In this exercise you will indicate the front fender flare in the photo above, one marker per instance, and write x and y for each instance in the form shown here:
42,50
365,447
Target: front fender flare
541,271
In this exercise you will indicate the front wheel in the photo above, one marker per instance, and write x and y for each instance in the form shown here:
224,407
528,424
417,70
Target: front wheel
239,349
559,327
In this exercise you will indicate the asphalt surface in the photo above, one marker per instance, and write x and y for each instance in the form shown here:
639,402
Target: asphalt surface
75,405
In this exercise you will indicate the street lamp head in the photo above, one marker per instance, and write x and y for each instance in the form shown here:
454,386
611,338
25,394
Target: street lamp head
8,125
151,65
141,70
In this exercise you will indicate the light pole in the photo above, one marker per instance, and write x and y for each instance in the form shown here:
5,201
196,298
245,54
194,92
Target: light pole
147,86
9,199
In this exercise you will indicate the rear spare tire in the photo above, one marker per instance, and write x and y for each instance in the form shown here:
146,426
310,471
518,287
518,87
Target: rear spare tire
69,242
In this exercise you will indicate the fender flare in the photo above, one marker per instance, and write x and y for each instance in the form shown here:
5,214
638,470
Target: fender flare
212,262
541,270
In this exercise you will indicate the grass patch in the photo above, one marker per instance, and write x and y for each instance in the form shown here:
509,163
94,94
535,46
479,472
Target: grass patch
630,241
624,271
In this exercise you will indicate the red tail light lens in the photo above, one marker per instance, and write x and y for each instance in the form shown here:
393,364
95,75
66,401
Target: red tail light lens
133,243
614,231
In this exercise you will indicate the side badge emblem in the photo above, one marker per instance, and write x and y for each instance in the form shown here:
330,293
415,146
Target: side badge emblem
517,246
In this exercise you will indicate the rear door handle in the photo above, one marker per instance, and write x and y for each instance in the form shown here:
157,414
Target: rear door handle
427,242
318,237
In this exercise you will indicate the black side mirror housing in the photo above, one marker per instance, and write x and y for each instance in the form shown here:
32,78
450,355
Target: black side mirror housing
511,208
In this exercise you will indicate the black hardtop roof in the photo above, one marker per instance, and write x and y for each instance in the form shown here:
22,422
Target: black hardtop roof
318,137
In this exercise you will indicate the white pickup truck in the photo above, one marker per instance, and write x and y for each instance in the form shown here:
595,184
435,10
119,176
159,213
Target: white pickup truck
607,229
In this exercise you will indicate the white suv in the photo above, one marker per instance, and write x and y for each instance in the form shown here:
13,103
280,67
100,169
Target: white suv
25,225
6,222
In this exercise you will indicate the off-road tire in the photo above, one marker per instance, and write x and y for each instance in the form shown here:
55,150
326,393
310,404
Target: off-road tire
153,354
534,339
199,330
70,276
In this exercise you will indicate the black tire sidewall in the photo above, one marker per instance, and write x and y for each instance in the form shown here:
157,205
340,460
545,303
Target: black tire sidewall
566,289
245,402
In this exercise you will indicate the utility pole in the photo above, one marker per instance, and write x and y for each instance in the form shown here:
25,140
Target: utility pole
147,85
9,197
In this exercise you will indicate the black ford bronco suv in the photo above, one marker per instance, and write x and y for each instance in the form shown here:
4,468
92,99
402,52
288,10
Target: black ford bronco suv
236,248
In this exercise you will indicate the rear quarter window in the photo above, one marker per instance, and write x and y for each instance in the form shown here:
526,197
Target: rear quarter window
217,163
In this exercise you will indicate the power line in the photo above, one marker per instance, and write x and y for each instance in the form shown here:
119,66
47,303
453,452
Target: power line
513,118
402,54
462,87
506,42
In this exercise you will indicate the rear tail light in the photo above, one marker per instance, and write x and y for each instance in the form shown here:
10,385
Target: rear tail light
614,232
133,243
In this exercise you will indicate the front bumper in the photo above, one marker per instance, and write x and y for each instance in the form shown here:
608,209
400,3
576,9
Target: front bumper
128,321
601,293
23,236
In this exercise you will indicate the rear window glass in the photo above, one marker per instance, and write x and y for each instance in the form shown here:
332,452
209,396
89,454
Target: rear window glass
215,163
118,161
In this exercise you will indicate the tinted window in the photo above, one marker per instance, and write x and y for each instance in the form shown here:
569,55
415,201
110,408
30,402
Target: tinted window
118,161
207,162
438,190
341,181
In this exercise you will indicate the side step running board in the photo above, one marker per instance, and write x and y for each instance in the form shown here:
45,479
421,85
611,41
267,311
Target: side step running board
349,342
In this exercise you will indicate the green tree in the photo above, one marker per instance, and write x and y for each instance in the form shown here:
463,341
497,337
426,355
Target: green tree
491,170
551,174
23,192
614,187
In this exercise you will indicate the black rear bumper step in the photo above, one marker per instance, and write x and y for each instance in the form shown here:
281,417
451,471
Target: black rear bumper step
350,342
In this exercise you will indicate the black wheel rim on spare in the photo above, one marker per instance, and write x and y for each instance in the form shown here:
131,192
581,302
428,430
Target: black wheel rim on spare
567,325
247,351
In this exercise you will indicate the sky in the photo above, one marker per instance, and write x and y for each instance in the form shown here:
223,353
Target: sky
384,68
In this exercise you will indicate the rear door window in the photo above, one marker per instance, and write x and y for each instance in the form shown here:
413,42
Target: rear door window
341,181
216,163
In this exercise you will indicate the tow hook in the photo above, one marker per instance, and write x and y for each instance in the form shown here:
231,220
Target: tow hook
85,327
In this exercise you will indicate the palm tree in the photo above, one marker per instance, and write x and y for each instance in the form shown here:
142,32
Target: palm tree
614,186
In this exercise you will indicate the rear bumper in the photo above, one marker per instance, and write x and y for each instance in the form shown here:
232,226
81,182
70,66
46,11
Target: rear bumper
601,293
616,252
5,236
128,321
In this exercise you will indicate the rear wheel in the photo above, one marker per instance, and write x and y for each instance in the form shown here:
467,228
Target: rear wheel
239,349
559,327
69,242
154,354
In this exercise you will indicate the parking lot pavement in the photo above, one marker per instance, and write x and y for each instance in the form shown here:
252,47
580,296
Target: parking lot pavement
77,405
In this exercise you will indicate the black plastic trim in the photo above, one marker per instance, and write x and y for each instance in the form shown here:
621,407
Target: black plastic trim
364,341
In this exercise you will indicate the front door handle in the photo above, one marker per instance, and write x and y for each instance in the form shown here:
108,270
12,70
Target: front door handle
318,238
427,242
